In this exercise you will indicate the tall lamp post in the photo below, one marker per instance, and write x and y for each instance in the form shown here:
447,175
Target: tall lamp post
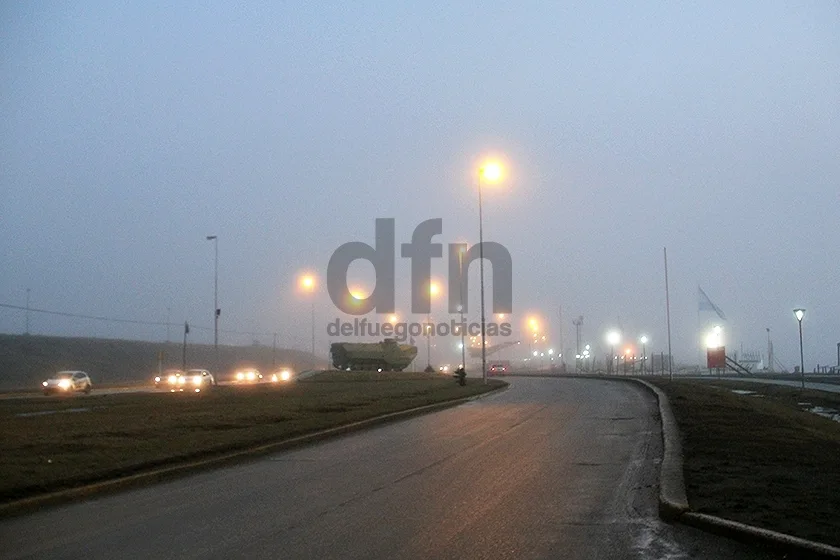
307,284
800,314
216,310
644,341
613,338
492,172
434,290
461,325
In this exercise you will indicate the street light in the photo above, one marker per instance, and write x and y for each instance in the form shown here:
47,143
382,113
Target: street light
434,290
307,284
715,338
492,172
800,314
216,310
644,341
461,325
613,338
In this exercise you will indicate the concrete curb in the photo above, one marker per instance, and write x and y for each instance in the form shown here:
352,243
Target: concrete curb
795,547
673,503
672,498
25,505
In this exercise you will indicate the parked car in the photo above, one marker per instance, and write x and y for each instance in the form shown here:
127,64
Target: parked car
248,375
67,382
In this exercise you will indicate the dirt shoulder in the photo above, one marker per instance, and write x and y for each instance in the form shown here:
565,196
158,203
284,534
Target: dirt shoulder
760,456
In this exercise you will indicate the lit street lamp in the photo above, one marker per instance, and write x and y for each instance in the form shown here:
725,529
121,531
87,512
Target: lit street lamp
644,341
307,284
800,314
434,290
492,172
461,326
216,310
613,338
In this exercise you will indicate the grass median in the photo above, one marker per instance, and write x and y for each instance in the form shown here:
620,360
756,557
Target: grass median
755,453
50,444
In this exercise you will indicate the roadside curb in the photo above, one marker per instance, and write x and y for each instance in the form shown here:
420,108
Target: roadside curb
25,505
672,498
673,503
794,546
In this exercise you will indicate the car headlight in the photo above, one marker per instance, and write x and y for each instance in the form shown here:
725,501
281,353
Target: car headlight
172,380
64,383
157,379
251,375
240,376
181,380
285,375
197,380
44,383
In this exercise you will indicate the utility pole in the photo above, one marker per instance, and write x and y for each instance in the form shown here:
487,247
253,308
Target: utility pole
668,316
769,352
27,310
562,351
184,348
578,323
216,310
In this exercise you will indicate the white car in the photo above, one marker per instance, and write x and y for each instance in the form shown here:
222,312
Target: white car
67,382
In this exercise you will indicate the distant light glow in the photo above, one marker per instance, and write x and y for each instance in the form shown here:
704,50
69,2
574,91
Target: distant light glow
491,171
307,282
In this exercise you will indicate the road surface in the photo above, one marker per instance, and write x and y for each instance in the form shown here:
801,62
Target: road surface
550,468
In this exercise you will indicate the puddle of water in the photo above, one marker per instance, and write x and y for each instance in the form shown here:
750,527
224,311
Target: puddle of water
45,412
829,413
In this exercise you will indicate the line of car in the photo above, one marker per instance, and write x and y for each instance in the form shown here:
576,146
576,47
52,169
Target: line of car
201,379
175,380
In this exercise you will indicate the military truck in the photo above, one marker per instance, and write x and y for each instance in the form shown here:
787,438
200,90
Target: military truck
371,356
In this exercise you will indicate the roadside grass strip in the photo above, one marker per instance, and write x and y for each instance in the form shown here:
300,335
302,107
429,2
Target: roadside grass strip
763,455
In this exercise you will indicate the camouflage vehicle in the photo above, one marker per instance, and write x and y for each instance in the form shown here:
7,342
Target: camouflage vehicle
371,356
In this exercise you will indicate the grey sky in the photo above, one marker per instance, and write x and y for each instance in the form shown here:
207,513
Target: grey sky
130,132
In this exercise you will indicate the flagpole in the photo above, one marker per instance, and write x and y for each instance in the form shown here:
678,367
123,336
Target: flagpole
699,330
668,316
184,349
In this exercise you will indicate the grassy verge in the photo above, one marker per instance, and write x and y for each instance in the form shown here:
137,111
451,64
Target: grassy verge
760,458
63,442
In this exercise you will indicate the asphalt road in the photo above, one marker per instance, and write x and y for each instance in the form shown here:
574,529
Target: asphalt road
550,468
